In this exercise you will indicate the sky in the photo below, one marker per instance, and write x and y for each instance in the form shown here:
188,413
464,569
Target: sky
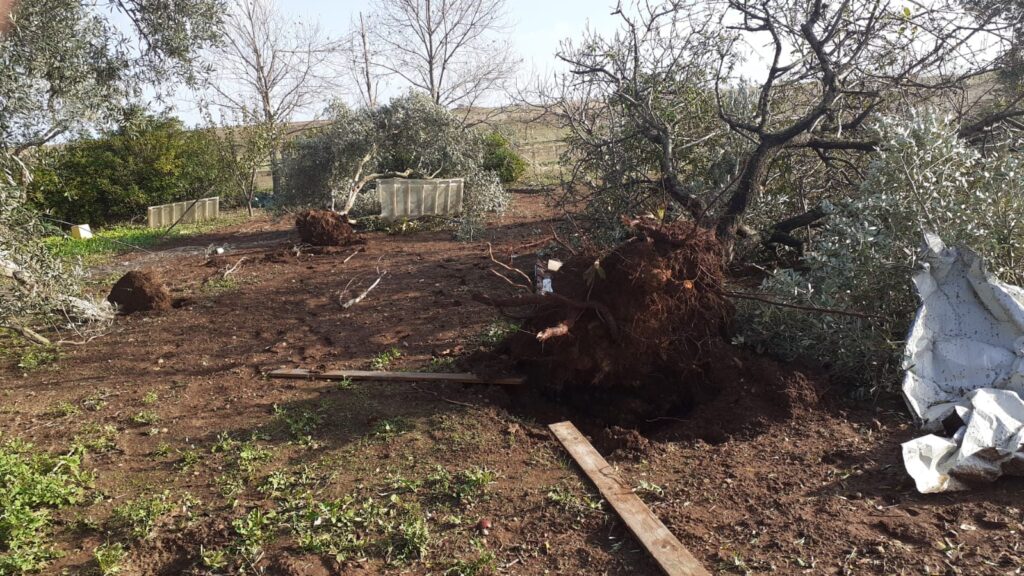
536,28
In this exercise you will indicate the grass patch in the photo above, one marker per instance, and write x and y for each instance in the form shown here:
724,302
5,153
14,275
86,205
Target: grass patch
353,527
110,558
496,332
64,409
385,359
34,485
220,286
96,438
115,240
38,357
145,418
388,428
138,517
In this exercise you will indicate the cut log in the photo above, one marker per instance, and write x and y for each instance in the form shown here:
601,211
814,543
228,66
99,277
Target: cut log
460,378
673,558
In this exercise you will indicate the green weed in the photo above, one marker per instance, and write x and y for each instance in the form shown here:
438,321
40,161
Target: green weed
215,559
388,428
383,360
37,357
34,484
138,517
496,332
299,423
96,438
463,487
145,418
110,558
64,409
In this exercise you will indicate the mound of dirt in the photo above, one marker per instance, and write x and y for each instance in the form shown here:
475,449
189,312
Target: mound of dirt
629,335
138,291
325,228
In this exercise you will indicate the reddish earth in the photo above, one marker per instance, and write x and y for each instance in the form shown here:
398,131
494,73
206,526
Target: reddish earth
139,291
775,474
324,228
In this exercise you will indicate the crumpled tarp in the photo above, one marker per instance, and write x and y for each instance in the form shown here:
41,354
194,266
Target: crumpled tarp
965,373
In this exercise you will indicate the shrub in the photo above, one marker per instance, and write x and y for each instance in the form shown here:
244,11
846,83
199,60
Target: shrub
500,158
409,135
115,177
925,179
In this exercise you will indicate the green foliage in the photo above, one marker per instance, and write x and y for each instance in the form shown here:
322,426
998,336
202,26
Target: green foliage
464,486
38,357
96,438
351,527
385,359
145,418
496,332
124,238
66,65
137,518
115,177
500,158
411,133
110,558
925,179
388,428
37,289
34,484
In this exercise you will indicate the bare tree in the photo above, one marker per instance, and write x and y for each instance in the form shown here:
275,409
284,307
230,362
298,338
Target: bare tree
271,64
453,50
363,63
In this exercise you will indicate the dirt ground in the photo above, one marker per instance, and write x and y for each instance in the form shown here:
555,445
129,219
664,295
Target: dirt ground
763,479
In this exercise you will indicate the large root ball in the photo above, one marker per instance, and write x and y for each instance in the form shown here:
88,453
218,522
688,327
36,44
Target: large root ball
140,290
325,228
629,334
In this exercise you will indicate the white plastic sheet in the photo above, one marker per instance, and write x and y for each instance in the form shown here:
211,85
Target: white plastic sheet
965,373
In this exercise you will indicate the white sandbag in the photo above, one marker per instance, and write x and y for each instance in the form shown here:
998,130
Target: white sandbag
965,372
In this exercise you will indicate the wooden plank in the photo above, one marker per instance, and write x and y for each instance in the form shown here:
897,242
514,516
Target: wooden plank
668,552
461,378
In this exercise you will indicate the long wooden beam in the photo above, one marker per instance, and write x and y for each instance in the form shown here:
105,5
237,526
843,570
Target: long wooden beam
673,558
460,378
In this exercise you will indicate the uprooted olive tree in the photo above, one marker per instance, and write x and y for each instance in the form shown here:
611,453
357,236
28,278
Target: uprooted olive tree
411,137
778,156
69,66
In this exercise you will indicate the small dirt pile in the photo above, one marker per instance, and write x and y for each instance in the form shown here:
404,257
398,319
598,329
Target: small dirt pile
629,335
138,291
325,228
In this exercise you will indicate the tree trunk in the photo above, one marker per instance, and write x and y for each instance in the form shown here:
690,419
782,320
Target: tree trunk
275,168
748,187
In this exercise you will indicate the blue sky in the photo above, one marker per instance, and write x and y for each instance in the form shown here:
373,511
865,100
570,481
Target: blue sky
536,28
537,25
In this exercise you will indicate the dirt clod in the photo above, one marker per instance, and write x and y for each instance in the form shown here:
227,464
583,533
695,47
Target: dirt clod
325,228
140,290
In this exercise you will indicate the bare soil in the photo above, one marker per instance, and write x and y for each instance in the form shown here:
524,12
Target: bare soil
773,473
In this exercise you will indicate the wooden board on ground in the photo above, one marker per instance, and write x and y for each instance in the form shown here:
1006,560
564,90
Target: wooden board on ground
668,552
461,378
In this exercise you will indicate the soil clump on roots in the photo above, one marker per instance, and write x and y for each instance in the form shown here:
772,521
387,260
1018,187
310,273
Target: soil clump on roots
139,291
629,335
325,228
